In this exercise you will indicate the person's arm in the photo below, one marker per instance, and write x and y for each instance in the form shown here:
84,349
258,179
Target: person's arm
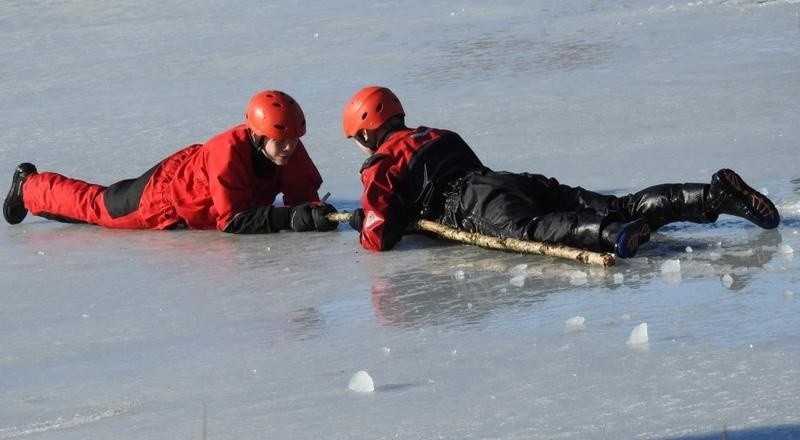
230,176
260,220
299,180
384,219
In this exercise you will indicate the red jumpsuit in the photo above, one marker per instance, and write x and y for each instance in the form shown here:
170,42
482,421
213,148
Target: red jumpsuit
202,186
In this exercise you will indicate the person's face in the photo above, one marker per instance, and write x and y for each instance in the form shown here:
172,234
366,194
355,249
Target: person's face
280,151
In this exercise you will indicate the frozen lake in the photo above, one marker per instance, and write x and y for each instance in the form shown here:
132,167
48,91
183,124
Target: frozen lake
199,334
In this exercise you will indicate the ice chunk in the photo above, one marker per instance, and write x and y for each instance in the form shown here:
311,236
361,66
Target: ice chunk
689,249
618,278
727,281
671,266
639,335
459,274
575,323
386,350
518,280
577,278
361,382
519,269
785,249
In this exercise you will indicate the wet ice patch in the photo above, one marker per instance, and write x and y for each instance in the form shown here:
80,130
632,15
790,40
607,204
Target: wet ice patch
576,323
638,336
517,280
788,294
618,278
785,249
361,382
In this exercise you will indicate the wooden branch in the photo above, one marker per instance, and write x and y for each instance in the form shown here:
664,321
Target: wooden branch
504,244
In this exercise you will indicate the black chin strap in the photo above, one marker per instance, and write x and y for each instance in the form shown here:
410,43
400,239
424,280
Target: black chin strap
258,142
372,144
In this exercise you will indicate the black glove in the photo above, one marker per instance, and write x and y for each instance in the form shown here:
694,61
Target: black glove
357,219
311,217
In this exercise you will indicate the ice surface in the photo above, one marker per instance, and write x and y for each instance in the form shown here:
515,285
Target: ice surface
638,335
129,335
361,382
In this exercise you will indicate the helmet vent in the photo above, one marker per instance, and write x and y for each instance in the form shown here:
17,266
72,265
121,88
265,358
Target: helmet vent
270,95
277,104
364,116
380,107
280,127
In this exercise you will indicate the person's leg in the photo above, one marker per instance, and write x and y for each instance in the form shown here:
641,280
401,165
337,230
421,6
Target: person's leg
56,197
502,205
699,202
558,197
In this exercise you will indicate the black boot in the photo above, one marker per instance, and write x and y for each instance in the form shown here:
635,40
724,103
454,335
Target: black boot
728,194
13,208
665,203
624,239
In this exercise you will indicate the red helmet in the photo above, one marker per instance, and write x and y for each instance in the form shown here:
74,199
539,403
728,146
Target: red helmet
276,115
369,108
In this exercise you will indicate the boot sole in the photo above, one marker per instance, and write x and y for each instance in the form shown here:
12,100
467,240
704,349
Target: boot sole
759,206
12,217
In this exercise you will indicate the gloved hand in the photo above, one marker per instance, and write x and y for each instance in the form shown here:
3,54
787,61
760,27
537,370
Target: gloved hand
357,219
311,217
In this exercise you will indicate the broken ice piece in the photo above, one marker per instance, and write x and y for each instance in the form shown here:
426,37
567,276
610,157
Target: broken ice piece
785,249
727,281
639,335
361,382
577,277
689,249
618,278
575,323
518,269
517,281
671,266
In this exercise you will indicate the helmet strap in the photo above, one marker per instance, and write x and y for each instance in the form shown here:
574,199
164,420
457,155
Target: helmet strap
371,142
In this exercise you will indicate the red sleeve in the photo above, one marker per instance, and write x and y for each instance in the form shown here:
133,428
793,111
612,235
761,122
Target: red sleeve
229,169
383,220
299,180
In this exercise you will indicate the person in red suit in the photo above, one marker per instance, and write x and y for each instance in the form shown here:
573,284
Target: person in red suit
229,183
430,173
